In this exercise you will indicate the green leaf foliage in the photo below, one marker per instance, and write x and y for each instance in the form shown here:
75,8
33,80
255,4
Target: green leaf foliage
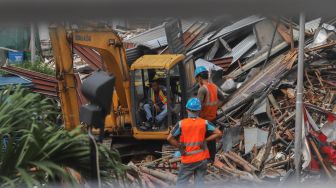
40,67
36,152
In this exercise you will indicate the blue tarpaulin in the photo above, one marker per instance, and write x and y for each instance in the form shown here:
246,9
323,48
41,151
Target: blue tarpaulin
14,80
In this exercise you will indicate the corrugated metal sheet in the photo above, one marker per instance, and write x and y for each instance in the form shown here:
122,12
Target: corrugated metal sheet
212,37
224,63
250,53
174,36
312,25
258,58
90,56
156,37
237,25
205,38
155,43
42,83
274,70
241,48
14,80
193,33
93,59
133,54
202,42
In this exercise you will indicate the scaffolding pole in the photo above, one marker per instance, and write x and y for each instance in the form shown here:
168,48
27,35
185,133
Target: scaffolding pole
32,43
299,95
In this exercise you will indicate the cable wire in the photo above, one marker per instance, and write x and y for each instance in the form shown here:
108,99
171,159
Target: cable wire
97,156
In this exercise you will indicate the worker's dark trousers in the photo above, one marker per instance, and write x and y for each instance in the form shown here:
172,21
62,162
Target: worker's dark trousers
197,169
212,150
211,147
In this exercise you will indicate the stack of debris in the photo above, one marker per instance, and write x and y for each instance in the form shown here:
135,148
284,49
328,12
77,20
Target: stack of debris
262,109
163,172
257,58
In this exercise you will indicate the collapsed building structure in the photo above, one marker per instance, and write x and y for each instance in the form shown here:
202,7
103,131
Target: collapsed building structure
254,61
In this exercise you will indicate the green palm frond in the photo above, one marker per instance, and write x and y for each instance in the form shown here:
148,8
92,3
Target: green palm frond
34,151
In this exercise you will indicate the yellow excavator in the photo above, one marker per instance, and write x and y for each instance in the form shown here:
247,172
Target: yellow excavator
125,115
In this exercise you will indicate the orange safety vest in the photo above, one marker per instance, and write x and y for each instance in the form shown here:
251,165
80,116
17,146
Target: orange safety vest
162,97
193,139
210,105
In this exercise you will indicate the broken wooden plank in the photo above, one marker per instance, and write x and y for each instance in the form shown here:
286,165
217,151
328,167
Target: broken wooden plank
320,158
158,174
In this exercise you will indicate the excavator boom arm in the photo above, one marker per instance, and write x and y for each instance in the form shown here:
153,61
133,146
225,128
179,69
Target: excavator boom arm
109,46
65,76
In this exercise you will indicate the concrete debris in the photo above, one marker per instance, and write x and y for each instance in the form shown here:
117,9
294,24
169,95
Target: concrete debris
262,114
229,86
254,137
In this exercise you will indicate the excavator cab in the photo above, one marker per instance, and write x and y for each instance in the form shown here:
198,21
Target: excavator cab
171,72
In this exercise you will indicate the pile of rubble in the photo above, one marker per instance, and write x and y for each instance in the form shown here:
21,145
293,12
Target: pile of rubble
254,62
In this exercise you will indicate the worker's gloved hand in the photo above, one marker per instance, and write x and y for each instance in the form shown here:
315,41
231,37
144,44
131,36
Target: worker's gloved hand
177,154
182,150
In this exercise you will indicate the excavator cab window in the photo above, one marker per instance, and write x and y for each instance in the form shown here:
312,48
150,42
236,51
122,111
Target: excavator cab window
141,80
170,82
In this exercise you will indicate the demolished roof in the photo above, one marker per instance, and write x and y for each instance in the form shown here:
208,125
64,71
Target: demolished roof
156,37
210,38
241,48
14,80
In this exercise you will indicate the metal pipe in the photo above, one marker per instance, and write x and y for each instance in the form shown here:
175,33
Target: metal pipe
271,44
299,94
32,43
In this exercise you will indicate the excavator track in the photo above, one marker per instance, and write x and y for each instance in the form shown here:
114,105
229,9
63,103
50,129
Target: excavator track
130,148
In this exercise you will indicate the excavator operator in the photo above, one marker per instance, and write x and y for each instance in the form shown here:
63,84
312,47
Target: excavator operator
156,106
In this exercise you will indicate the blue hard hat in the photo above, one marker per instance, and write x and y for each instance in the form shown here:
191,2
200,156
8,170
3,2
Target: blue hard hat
194,104
199,70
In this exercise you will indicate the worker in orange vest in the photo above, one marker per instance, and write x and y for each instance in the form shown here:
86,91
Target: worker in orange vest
192,143
210,97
